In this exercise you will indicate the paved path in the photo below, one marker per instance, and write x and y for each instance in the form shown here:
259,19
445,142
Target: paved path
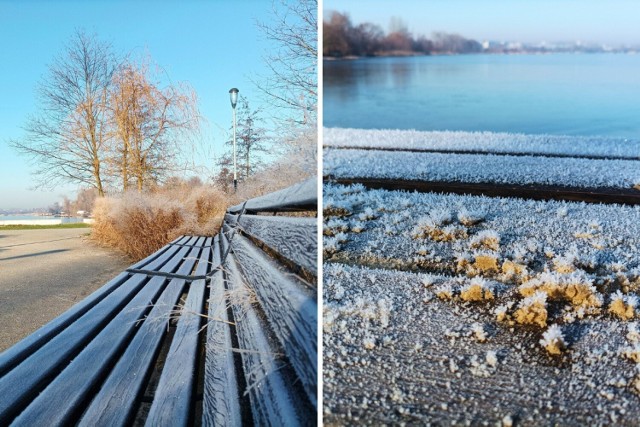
45,272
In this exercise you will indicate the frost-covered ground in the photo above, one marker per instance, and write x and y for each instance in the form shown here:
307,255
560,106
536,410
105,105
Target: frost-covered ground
467,309
481,168
486,142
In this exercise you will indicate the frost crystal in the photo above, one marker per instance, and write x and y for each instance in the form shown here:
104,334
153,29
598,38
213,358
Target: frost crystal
633,335
533,310
488,239
478,331
478,289
492,358
553,341
486,262
469,218
422,250
632,353
440,216
444,291
623,306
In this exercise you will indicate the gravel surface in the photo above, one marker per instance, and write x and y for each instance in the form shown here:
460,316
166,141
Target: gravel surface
45,272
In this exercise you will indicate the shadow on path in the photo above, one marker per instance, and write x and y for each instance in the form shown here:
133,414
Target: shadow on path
34,254
41,241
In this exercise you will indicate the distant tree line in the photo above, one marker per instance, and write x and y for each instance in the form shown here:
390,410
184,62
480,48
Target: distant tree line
342,38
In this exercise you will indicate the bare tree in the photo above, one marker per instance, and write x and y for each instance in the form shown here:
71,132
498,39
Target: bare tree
336,35
67,205
67,138
342,38
293,83
85,199
148,123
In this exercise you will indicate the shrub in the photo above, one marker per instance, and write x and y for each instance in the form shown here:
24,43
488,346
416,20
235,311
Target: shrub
139,224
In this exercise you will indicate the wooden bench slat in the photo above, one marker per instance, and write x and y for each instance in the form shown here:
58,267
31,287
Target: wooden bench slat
221,405
18,386
273,402
290,308
115,402
174,395
12,356
64,396
296,239
92,365
303,194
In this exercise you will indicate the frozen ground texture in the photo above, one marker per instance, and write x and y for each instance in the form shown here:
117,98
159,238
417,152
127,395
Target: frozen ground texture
466,309
481,168
488,142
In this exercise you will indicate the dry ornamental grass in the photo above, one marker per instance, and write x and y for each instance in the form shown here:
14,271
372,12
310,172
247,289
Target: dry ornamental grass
139,224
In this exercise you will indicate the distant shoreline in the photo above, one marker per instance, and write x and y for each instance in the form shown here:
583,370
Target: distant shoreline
404,54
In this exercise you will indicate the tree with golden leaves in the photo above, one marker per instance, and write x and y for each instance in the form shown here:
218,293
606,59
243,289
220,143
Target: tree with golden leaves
149,124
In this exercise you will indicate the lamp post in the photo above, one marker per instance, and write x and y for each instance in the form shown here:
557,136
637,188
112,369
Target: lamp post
234,100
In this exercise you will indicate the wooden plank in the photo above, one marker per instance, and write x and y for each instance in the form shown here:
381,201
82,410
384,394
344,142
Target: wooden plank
115,403
12,356
173,401
291,309
221,403
66,395
296,239
274,400
303,195
536,192
524,153
22,383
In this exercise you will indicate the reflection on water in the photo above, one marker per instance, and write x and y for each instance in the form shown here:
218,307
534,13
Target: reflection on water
572,94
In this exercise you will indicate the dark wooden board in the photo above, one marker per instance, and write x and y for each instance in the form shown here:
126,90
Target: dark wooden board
536,192
291,309
296,239
19,386
221,403
12,356
172,403
115,402
66,395
493,153
303,196
273,401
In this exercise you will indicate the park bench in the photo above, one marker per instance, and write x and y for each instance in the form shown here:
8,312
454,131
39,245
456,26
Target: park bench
206,331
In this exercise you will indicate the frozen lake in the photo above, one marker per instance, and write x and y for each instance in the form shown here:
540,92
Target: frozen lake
36,220
560,94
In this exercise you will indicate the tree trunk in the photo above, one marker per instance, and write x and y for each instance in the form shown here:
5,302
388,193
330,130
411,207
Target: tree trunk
125,171
96,175
248,165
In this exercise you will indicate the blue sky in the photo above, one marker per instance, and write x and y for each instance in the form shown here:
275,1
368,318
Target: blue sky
613,21
212,45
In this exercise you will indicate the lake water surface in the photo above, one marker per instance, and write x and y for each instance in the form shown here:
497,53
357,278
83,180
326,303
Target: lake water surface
30,218
562,94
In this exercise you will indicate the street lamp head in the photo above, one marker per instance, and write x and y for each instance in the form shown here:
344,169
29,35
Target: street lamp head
234,97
